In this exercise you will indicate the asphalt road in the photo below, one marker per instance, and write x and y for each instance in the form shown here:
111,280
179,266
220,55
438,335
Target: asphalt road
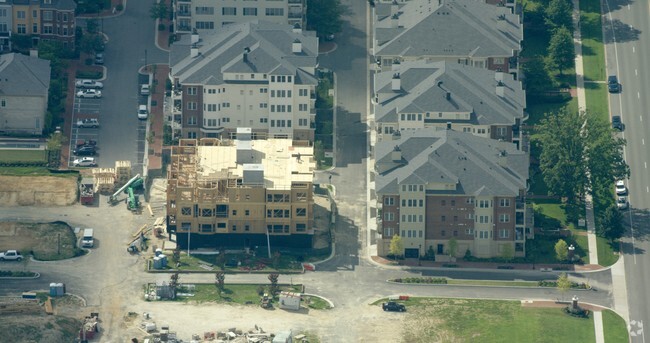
628,47
130,39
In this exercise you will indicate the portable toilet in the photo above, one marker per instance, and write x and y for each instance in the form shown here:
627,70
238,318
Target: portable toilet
53,289
157,264
158,252
60,290
163,260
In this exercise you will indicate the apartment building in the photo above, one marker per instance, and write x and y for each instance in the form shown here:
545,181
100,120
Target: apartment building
257,74
209,14
468,32
6,24
45,19
433,185
421,94
241,193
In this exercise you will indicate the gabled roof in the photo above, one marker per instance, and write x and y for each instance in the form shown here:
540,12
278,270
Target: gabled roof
478,166
69,5
22,75
424,87
458,28
222,51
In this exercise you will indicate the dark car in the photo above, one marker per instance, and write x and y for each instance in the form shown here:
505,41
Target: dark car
612,84
616,123
393,306
85,150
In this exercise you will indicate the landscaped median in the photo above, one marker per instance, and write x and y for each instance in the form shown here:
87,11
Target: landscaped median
13,274
473,320
498,283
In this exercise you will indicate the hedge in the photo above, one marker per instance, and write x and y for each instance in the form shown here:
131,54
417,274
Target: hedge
81,74
10,273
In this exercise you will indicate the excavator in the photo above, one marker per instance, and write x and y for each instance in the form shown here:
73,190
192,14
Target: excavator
132,200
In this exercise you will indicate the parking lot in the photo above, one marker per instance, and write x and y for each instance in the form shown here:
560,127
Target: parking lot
84,108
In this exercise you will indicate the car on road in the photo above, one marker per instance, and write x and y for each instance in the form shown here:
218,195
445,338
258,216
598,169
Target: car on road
89,93
144,89
11,255
85,151
90,84
85,162
89,122
143,113
99,58
620,187
613,86
393,306
621,203
617,123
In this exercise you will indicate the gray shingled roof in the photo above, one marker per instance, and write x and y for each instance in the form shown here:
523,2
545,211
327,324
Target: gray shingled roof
69,5
479,166
447,28
471,90
222,51
24,75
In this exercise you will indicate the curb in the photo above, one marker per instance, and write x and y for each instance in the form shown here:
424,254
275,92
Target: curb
318,296
484,286
328,258
20,277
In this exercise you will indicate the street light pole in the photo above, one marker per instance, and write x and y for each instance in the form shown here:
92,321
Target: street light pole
145,59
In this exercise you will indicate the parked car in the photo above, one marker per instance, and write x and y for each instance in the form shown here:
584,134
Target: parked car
612,84
144,89
616,123
89,84
621,203
99,58
89,93
85,162
143,113
393,306
11,255
82,142
620,187
85,150
90,122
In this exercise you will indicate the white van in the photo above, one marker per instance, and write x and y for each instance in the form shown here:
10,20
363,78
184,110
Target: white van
87,240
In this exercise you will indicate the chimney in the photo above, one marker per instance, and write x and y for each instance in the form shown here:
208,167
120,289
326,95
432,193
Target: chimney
396,65
247,50
448,95
396,154
394,21
501,89
394,8
33,52
297,28
195,37
296,47
194,51
396,83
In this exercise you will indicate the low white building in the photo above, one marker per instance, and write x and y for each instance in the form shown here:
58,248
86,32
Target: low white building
290,300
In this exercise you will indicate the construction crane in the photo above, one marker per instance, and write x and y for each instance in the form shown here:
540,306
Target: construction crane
135,181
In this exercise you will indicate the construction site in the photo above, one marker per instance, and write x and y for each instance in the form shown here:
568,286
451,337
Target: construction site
241,192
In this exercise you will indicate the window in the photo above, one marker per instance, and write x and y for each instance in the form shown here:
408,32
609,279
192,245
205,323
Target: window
484,204
389,232
504,202
206,212
301,212
504,233
469,231
186,211
264,120
186,226
504,218
453,203
191,120
247,227
34,14
502,131
205,25
301,227
204,10
191,90
191,105
443,202
65,17
389,201
389,216
22,28
229,11
47,29
20,14
234,227
34,28
443,233
303,122
275,12
234,212
4,28
250,11
247,212
207,228
3,12
221,225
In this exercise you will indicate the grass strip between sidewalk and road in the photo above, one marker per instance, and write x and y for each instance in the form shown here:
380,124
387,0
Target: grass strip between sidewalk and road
614,328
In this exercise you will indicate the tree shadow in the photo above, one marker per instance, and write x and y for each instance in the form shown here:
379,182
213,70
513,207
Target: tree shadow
639,221
615,5
621,31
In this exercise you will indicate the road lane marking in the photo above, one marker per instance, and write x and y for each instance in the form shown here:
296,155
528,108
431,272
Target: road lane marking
636,72
640,118
645,165
633,49
642,141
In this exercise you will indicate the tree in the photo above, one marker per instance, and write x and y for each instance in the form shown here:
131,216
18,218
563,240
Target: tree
273,278
92,26
220,261
158,11
396,246
562,159
324,16
560,50
559,13
604,153
563,284
55,141
453,247
610,224
538,79
173,284
508,252
219,280
561,250
90,43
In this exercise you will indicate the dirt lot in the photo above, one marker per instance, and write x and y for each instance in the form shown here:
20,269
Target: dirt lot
32,324
38,190
47,241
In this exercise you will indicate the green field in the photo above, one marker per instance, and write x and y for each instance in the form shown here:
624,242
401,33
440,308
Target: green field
233,293
614,328
464,320
23,156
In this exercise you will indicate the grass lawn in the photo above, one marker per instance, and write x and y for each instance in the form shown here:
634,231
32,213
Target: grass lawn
232,293
316,303
32,171
614,328
492,283
194,262
23,155
467,320
606,252
592,40
596,99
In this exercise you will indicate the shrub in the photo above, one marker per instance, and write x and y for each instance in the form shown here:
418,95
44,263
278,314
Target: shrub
82,74
119,7
428,280
161,27
11,273
578,312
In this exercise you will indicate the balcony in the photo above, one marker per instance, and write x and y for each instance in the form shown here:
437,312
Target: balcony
295,15
183,13
295,1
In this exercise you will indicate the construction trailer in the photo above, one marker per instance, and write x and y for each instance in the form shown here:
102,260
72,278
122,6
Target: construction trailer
242,192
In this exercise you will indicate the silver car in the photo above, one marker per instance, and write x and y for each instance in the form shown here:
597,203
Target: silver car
89,93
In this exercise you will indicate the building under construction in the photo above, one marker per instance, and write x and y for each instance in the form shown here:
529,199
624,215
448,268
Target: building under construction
241,193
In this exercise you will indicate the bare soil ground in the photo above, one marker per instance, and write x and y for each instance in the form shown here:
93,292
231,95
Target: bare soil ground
47,241
37,190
